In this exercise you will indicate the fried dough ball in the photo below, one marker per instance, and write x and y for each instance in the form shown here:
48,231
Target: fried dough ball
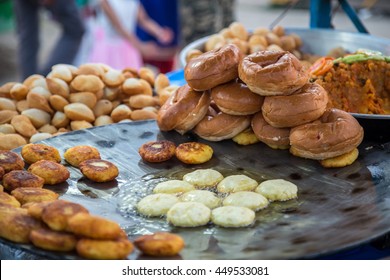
99,170
235,183
6,199
27,194
232,216
94,227
160,244
10,161
157,151
77,154
104,249
251,200
188,214
57,213
16,224
210,199
194,152
21,179
202,178
52,172
341,161
53,240
33,152
278,190
173,186
156,205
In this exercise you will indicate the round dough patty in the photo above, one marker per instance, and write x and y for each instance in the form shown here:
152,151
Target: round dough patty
189,214
202,178
173,186
236,183
232,216
251,200
156,205
207,198
278,190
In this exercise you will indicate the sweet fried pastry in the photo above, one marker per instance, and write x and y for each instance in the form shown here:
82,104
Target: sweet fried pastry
52,172
104,249
10,161
160,244
341,161
203,178
35,209
6,199
21,179
53,240
157,151
188,214
99,170
232,216
33,152
173,186
235,183
207,198
77,154
95,227
194,152
16,224
251,200
156,205
57,213
27,194
278,190
246,137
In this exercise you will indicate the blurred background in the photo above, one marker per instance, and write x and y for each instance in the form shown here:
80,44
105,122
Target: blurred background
375,15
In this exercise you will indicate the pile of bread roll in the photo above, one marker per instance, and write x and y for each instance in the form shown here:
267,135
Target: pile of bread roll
263,96
71,98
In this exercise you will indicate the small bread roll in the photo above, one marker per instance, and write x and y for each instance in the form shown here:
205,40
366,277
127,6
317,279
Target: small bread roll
89,83
87,98
232,216
161,82
236,183
156,205
207,198
173,186
278,190
11,141
79,112
202,178
147,75
189,214
251,200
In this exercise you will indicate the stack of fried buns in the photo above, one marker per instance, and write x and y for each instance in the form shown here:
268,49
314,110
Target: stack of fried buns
265,96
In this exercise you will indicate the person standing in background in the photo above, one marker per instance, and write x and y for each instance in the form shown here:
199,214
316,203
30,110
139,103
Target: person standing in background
165,13
116,43
65,12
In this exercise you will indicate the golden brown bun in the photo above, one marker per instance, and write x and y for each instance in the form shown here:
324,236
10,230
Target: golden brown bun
183,110
213,68
276,138
305,105
334,134
235,98
217,126
272,73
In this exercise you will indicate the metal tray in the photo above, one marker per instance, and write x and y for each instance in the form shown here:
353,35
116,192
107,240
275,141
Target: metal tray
336,209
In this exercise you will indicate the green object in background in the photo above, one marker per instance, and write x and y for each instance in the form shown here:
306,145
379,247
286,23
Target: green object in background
6,16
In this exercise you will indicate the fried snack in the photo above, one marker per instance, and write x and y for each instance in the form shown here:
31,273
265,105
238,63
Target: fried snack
35,209
194,152
246,137
189,214
235,183
207,198
10,161
232,216
1,188
52,172
2,172
99,170
277,190
95,227
6,199
57,214
341,161
104,249
157,151
77,154
21,179
16,224
173,186
53,240
33,152
156,205
251,200
27,194
203,178
160,244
